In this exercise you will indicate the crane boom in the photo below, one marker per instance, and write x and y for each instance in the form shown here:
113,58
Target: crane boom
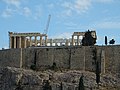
47,25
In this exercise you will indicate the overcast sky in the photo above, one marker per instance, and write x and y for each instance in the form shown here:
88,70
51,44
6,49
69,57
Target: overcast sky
67,16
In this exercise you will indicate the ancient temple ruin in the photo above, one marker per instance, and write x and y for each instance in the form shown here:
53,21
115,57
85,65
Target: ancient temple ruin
25,40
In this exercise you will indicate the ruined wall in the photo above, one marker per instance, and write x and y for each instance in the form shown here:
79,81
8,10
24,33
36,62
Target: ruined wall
65,57
10,57
28,55
112,59
77,57
89,59
62,57
80,58
45,57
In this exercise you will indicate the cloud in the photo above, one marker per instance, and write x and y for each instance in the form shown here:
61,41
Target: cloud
82,5
103,1
37,13
106,25
7,13
51,5
77,6
70,24
13,2
27,11
15,7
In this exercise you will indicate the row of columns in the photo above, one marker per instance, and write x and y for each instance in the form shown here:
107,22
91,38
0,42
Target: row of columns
16,42
73,41
36,41
21,41
56,43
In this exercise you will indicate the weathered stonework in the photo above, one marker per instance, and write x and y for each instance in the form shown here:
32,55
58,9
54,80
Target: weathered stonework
70,62
31,80
76,57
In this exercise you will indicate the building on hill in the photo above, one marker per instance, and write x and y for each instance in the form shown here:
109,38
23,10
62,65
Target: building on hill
25,40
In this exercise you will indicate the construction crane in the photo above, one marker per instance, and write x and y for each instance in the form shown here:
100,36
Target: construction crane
47,25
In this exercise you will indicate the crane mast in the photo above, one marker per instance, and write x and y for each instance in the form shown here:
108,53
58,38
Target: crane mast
47,25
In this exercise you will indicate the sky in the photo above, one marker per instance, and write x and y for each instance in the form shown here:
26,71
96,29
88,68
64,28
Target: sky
67,16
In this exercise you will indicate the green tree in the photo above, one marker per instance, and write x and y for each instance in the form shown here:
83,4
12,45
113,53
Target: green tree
88,40
105,40
112,41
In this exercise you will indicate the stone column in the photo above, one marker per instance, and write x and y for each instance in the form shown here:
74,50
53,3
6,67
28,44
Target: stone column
45,40
51,41
14,42
56,44
77,39
19,42
10,42
30,41
72,39
75,43
24,42
35,40
60,43
66,42
40,40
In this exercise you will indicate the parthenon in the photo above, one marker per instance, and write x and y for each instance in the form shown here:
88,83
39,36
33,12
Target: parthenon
25,40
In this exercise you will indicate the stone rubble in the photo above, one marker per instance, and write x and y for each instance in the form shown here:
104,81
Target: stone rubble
13,78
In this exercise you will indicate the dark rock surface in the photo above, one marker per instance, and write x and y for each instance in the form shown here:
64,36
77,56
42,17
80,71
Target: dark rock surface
20,79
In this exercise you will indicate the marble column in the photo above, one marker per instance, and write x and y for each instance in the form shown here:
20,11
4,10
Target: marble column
14,42
56,44
40,40
30,40
20,42
60,43
45,40
77,39
35,40
72,39
10,42
66,42
75,43
51,41
25,42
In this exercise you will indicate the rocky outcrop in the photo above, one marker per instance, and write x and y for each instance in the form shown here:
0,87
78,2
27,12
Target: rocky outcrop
21,79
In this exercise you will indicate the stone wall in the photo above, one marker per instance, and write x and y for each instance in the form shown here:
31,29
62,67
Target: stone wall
112,59
77,57
10,57
28,55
